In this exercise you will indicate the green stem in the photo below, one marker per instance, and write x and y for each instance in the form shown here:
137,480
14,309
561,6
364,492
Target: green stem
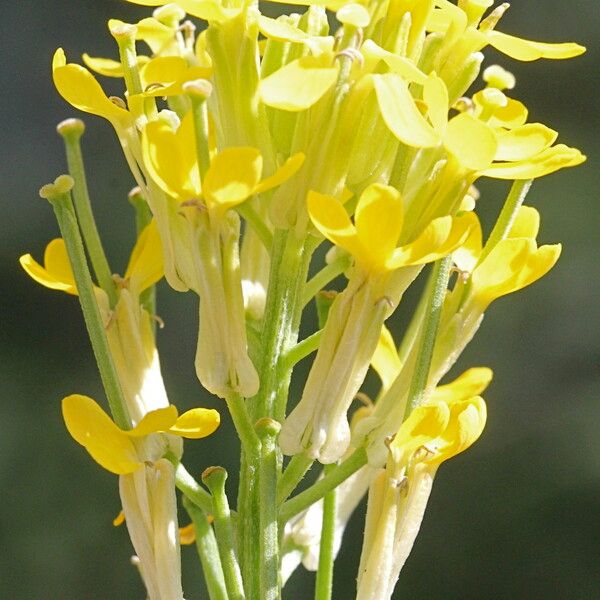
243,425
514,200
71,131
292,476
325,276
198,92
269,541
251,216
302,349
214,478
324,583
189,487
208,551
59,196
439,285
330,481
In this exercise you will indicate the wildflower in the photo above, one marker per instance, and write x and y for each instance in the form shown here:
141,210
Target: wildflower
234,175
382,272
398,497
146,479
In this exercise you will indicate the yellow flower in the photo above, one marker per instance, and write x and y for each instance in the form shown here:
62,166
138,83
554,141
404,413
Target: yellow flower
145,266
81,89
234,175
118,451
514,263
398,498
378,227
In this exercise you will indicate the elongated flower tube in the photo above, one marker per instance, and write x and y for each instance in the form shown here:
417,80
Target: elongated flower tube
318,424
213,270
146,480
398,497
128,326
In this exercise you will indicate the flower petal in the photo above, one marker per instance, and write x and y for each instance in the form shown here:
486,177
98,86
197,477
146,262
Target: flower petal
470,383
331,219
91,427
289,168
526,223
299,84
528,50
233,176
521,143
400,112
379,218
146,265
161,419
385,359
471,141
80,89
546,162
56,273
196,423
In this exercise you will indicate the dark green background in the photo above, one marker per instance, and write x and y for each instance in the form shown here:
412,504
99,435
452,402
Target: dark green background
515,517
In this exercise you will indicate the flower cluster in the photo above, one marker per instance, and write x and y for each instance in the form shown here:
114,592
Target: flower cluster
252,143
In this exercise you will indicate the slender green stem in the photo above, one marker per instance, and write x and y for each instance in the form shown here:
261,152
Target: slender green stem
292,476
302,349
269,541
330,481
437,293
208,551
198,92
59,196
324,583
214,478
251,216
325,276
243,425
189,487
71,131
514,200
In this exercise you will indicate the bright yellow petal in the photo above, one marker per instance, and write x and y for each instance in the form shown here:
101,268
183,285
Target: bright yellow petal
289,168
471,141
233,176
56,273
91,427
299,84
546,162
146,265
196,423
397,64
386,360
400,112
441,237
521,143
526,224
466,424
435,95
170,156
280,30
163,70
80,89
527,50
161,419
378,219
423,425
330,217
470,383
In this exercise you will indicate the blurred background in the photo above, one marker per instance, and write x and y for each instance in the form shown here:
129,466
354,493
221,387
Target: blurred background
515,517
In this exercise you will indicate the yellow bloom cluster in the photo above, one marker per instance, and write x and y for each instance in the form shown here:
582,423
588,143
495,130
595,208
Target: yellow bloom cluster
253,142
